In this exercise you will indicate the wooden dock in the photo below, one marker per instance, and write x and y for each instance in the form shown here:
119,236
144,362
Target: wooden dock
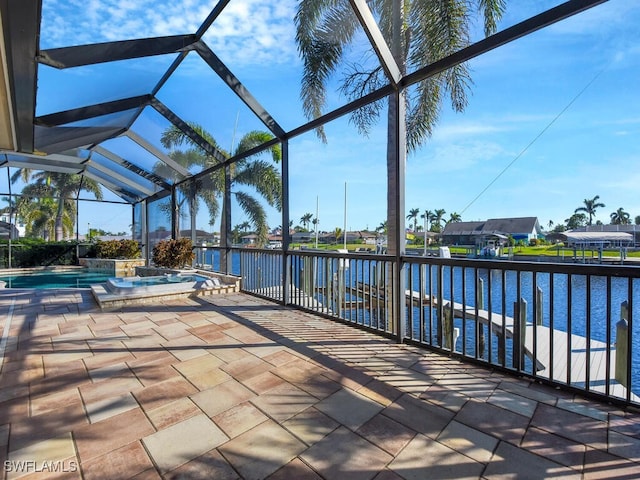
558,365
570,368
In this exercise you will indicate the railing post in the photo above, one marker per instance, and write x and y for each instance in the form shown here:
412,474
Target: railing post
450,334
440,312
622,351
519,333
479,326
539,310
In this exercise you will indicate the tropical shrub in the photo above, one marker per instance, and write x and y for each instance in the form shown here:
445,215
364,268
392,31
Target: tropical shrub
173,253
118,249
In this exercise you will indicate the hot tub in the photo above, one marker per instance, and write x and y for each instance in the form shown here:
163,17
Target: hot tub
123,291
159,284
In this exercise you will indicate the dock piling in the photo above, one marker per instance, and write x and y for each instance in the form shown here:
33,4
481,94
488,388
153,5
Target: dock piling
622,350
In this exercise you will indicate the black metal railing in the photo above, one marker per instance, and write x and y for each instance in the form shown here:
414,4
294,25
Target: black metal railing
562,323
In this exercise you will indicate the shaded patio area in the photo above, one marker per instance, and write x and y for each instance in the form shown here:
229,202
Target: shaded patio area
236,387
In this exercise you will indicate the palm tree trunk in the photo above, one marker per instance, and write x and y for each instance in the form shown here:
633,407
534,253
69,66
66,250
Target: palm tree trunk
59,231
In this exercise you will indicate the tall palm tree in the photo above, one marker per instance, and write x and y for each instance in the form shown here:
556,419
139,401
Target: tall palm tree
306,219
620,217
253,172
590,207
38,210
427,217
418,33
64,187
413,215
438,215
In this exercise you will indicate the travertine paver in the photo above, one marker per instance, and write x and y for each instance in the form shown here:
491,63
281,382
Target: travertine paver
239,419
349,408
426,458
182,442
387,434
108,407
262,451
343,454
222,397
310,425
468,441
124,462
501,423
235,387
44,456
512,462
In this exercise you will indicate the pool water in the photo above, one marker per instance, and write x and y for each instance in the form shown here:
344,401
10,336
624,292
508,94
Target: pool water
55,279
129,282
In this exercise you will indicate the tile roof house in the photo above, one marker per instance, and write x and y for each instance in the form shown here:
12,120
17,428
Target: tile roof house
474,233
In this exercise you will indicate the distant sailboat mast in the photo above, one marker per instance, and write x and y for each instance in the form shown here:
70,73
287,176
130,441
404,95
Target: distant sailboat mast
344,233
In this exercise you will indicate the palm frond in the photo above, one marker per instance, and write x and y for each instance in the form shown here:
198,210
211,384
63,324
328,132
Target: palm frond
257,216
492,11
323,28
256,138
265,178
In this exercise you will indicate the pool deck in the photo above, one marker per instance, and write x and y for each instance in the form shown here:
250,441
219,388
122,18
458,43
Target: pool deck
235,387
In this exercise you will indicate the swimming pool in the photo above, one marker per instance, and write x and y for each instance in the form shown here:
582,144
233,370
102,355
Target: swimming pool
74,279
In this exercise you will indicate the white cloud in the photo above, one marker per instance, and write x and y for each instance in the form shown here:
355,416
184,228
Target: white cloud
247,32
255,32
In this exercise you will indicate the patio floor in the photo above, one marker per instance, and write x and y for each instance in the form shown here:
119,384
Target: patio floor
235,387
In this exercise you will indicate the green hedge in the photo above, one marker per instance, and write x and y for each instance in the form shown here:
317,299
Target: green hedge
118,249
31,253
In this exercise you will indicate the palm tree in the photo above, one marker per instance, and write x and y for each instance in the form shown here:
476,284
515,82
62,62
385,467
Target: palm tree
454,217
590,206
38,210
305,219
337,233
413,215
382,228
438,215
253,172
65,188
427,217
637,220
418,33
620,217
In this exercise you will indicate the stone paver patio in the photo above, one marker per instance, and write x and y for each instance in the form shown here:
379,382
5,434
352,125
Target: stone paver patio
235,387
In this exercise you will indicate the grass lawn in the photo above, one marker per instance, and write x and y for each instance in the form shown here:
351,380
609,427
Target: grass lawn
542,250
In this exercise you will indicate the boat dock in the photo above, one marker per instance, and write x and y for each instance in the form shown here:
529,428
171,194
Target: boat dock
555,363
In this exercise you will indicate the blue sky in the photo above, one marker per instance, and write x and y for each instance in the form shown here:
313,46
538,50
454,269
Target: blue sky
552,119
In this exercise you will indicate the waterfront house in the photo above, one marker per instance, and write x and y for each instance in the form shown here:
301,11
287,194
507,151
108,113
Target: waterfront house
498,230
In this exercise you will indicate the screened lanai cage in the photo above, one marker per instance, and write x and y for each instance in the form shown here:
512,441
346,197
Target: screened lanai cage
188,116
